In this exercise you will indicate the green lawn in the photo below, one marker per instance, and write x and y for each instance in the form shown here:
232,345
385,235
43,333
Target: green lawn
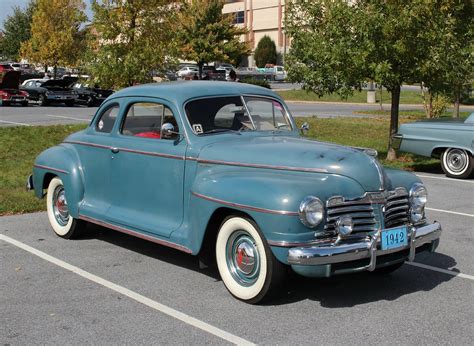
411,114
406,97
20,145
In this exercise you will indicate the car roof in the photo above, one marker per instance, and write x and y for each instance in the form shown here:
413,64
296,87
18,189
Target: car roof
181,91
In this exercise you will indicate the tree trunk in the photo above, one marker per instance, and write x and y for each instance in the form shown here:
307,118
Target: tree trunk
55,72
457,98
381,98
200,64
391,153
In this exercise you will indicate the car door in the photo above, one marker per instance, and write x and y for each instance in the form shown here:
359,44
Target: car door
94,149
147,169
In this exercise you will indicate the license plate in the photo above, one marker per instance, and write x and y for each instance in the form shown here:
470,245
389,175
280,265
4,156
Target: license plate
394,238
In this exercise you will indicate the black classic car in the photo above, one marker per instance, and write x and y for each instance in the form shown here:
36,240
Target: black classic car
46,91
90,96
9,92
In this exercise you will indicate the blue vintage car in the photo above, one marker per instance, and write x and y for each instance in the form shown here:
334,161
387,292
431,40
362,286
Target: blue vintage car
220,170
450,140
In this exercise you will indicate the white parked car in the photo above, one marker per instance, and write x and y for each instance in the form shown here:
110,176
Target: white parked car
187,70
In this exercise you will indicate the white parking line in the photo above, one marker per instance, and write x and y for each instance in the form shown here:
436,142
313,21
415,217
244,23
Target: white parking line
14,123
65,117
131,294
443,178
450,212
445,271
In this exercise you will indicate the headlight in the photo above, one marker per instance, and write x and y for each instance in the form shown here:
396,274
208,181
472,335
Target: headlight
311,211
418,198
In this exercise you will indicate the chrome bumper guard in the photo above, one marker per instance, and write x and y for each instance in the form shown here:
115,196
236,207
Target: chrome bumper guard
29,183
345,250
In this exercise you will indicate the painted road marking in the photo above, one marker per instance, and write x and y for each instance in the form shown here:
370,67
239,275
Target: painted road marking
445,271
65,117
450,212
131,294
444,178
14,123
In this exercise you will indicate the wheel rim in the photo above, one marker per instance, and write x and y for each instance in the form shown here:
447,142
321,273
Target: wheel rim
242,258
456,160
60,208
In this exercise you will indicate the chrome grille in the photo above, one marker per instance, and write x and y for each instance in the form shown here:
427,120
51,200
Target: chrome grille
397,208
363,210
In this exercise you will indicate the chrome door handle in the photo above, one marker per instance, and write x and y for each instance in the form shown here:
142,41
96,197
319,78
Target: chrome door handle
114,150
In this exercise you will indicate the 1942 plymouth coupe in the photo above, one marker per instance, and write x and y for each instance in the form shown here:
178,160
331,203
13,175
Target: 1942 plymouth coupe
219,170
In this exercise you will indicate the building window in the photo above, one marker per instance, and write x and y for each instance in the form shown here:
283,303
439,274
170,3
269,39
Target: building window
239,17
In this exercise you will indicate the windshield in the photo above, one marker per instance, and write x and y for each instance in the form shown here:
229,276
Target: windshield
225,114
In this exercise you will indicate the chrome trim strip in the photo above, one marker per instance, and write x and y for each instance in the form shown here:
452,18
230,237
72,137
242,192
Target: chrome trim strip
149,153
243,206
51,168
256,165
136,234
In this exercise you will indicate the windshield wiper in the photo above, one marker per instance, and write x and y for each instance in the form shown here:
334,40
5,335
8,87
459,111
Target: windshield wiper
219,131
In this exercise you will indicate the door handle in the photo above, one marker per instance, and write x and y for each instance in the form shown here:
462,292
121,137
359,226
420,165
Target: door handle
114,150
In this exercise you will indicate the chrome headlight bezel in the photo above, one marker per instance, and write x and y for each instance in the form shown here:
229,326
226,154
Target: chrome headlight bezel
418,197
311,211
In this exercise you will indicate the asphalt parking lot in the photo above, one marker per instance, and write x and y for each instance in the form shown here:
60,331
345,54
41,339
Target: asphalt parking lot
110,288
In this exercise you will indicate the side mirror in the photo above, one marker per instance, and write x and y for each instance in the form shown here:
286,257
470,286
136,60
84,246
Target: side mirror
304,128
167,129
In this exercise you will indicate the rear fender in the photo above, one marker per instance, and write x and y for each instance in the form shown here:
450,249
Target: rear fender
61,161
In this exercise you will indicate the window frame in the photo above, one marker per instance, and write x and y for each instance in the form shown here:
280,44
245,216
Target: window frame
96,120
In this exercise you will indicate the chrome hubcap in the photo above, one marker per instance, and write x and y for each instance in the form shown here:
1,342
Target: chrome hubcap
456,160
60,208
243,259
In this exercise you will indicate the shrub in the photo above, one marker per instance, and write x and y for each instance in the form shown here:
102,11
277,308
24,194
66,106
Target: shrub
265,53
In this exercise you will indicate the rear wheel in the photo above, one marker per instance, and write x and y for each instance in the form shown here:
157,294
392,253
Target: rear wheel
247,266
63,224
457,163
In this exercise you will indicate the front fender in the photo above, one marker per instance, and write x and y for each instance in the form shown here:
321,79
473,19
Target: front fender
62,161
271,198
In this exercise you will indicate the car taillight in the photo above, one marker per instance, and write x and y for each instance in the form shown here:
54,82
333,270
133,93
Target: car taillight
3,95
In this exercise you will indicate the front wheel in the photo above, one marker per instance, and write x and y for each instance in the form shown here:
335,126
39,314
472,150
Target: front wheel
457,163
247,266
63,224
42,101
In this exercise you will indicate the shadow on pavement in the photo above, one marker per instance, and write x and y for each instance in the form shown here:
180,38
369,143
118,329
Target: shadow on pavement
335,292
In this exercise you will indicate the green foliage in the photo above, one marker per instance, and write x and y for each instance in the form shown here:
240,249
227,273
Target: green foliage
56,37
131,38
17,29
339,44
206,34
265,53
254,81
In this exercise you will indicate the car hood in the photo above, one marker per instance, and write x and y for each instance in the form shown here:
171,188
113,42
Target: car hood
10,80
295,154
56,83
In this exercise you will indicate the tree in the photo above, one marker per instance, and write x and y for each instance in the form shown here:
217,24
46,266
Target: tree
449,68
265,53
131,39
56,35
337,45
206,34
16,30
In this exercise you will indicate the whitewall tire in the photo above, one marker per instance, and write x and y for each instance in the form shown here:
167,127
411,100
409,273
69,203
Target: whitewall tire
247,266
63,224
457,163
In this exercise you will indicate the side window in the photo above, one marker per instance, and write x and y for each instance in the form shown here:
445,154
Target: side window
145,119
107,119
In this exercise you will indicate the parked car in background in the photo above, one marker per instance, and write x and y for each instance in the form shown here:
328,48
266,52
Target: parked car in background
187,71
46,91
220,170
4,67
9,89
90,96
452,141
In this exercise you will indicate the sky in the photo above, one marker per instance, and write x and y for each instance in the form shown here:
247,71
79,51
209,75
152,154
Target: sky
6,8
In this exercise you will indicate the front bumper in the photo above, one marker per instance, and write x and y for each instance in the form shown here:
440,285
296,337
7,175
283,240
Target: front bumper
336,251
